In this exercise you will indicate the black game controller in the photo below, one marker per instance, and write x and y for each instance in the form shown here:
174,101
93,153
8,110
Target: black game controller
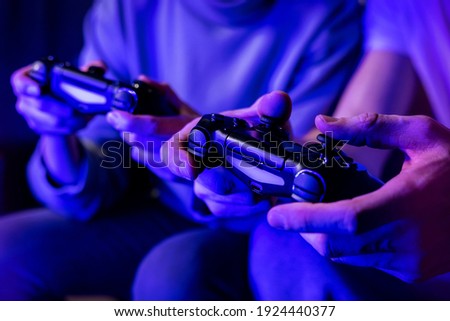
271,165
90,93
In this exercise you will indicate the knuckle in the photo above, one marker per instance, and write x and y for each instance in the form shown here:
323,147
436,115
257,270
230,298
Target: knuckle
127,124
17,86
323,244
351,222
129,137
427,123
56,122
367,120
420,268
21,107
412,277
145,125
202,191
34,127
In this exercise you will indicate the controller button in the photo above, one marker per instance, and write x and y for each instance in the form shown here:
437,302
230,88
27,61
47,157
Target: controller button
197,138
309,186
124,99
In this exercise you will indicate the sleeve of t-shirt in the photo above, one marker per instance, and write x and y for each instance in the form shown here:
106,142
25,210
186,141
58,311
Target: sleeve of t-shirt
382,26
105,38
104,177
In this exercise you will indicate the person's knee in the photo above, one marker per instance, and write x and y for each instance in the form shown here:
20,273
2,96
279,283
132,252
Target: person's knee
24,259
284,267
170,270
197,265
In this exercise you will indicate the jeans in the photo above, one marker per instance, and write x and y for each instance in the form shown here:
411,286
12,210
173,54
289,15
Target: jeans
44,256
204,264
283,266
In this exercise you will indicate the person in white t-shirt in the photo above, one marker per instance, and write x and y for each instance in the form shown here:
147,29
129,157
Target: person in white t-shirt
392,244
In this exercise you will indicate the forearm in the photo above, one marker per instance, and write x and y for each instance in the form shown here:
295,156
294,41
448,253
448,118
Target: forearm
96,188
62,156
384,83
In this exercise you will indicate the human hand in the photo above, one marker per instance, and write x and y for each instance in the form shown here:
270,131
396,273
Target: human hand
224,194
146,133
403,227
56,122
43,113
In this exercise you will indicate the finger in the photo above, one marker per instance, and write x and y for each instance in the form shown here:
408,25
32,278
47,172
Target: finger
275,106
139,155
233,204
386,238
146,125
225,209
230,199
175,155
221,185
43,122
28,106
143,142
48,105
215,180
22,84
398,265
347,216
383,131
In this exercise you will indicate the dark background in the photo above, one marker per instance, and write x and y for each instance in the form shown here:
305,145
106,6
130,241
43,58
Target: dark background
29,29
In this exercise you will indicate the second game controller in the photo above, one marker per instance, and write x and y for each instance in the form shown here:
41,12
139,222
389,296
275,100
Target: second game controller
91,93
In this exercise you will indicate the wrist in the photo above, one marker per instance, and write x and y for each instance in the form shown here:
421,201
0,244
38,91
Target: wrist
63,158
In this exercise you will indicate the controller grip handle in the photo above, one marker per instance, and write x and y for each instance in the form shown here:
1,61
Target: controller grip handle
351,184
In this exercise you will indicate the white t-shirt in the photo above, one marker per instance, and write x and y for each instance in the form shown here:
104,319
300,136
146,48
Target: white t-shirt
419,29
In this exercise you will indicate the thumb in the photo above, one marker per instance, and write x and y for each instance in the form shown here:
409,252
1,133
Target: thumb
355,215
274,108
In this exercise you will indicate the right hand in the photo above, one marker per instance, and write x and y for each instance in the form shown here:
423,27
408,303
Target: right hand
401,228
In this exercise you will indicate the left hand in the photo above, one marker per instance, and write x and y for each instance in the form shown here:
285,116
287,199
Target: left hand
146,133
403,228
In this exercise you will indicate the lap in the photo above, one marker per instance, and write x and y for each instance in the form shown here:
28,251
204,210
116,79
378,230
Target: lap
285,267
46,256
204,264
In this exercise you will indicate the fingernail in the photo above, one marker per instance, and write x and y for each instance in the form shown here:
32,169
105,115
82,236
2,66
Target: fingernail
328,119
32,90
275,218
112,118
